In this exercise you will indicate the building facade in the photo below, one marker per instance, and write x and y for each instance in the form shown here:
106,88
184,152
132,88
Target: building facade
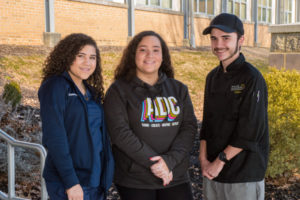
180,22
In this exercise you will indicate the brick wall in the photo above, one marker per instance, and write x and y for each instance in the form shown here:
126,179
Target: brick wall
106,24
169,26
199,25
264,36
22,22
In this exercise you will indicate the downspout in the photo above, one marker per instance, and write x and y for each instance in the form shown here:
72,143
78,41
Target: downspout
131,23
255,8
224,6
185,20
192,33
50,37
49,16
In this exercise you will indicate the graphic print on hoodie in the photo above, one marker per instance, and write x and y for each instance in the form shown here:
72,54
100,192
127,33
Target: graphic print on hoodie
159,112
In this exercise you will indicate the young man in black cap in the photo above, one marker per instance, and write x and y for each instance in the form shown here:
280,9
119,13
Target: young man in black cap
234,138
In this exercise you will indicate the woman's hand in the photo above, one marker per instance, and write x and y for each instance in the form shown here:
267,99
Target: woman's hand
75,193
161,170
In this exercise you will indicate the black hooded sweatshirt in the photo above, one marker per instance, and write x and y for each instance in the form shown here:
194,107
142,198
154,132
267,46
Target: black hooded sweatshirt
145,121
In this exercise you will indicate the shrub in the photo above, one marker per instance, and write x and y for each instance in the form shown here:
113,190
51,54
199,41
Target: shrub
12,93
284,122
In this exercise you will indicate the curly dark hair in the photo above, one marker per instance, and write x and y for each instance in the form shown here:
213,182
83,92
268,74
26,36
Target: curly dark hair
127,66
64,54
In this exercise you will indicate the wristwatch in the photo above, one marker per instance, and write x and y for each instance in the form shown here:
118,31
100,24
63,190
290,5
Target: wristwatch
222,157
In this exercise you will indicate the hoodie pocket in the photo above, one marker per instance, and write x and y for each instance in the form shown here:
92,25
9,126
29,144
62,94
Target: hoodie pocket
138,169
121,159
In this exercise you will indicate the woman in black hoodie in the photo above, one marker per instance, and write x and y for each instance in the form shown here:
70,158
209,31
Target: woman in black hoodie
152,124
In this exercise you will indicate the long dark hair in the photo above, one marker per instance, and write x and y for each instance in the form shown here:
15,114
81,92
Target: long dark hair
127,66
64,54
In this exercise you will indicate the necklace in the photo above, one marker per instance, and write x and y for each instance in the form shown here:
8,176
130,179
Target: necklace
86,97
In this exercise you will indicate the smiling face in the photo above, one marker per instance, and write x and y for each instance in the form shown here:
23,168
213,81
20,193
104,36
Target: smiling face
84,64
148,58
226,46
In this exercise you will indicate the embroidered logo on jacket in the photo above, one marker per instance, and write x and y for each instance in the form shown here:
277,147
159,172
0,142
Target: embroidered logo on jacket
159,109
237,88
72,95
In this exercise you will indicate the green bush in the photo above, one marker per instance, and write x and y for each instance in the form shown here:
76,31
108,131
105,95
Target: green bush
12,93
284,122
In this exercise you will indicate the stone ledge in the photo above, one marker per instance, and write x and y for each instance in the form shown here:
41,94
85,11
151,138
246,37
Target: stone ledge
284,28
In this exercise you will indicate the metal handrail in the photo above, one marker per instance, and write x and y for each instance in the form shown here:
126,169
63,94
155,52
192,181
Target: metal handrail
11,144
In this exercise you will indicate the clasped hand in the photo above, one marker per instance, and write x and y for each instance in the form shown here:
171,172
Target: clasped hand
161,170
75,193
211,169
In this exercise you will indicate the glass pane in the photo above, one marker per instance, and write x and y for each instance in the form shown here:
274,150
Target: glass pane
229,7
237,9
202,6
290,5
265,2
290,18
195,6
259,14
286,4
259,2
141,2
264,14
210,6
243,11
269,15
154,2
270,3
167,4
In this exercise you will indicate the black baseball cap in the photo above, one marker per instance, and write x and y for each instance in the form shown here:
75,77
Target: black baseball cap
226,22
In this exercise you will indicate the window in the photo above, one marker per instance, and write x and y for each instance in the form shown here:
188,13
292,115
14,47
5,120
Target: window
165,4
204,6
264,11
298,11
287,11
237,7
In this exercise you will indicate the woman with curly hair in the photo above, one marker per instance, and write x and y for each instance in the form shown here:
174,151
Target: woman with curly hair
151,123
79,163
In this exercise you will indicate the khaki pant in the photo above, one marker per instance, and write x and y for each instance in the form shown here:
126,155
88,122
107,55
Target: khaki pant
213,190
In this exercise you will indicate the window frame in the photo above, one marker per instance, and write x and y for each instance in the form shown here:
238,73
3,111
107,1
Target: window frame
205,12
268,8
240,2
148,4
286,12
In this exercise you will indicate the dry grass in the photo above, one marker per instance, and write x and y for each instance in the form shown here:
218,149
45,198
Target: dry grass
191,68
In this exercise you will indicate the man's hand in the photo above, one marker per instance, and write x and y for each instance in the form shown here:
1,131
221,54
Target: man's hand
204,163
161,170
75,193
213,169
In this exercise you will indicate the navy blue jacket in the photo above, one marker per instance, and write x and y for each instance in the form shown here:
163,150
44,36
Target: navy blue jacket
67,137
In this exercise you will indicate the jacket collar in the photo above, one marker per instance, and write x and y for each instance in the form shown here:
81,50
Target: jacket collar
67,76
236,65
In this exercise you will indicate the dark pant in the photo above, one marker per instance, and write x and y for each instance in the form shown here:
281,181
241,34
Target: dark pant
56,191
178,192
